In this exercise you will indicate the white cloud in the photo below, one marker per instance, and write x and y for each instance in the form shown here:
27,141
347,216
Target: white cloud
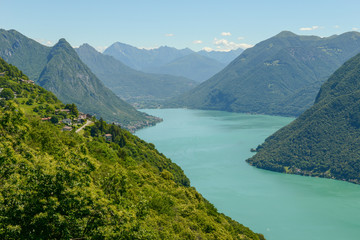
45,42
309,28
225,34
169,34
197,42
208,49
225,45
101,48
336,26
355,29
245,45
241,38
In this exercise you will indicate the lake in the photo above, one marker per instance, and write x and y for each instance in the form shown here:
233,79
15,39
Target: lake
212,146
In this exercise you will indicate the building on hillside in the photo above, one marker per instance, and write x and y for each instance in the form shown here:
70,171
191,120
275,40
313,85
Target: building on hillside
82,116
26,81
67,121
45,119
108,137
2,74
66,128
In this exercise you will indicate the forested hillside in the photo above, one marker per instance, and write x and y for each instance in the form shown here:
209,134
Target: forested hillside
100,183
324,141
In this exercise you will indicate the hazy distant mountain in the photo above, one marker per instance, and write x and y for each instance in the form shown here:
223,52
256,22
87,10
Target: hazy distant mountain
167,60
278,76
131,85
60,70
193,66
142,59
324,141
221,56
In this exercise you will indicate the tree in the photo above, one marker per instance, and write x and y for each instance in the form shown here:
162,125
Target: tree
7,93
54,119
73,109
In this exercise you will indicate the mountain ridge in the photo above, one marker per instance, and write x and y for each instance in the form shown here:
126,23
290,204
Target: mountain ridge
323,140
169,60
278,76
73,82
134,86
33,59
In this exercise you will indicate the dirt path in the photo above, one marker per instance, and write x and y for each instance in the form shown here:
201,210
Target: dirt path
86,124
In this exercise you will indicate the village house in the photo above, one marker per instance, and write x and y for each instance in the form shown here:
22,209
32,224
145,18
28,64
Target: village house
67,121
26,81
2,74
108,137
62,110
82,116
66,128
45,119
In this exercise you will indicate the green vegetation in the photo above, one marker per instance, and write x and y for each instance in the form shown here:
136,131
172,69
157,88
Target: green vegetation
7,94
62,185
279,76
324,141
60,70
138,88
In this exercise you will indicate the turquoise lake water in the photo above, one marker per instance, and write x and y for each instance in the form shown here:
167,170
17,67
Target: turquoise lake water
211,147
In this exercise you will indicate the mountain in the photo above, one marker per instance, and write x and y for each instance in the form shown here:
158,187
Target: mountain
60,70
167,60
73,82
193,66
66,185
324,141
279,76
222,56
142,59
25,53
131,85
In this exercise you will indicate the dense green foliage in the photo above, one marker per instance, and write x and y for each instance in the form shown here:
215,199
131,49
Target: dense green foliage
279,76
324,141
60,70
64,185
131,85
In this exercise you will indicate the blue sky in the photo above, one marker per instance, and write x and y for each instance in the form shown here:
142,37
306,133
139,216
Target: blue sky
196,24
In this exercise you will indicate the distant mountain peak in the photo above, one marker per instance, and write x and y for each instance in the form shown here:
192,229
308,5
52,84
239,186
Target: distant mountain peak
286,34
87,47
